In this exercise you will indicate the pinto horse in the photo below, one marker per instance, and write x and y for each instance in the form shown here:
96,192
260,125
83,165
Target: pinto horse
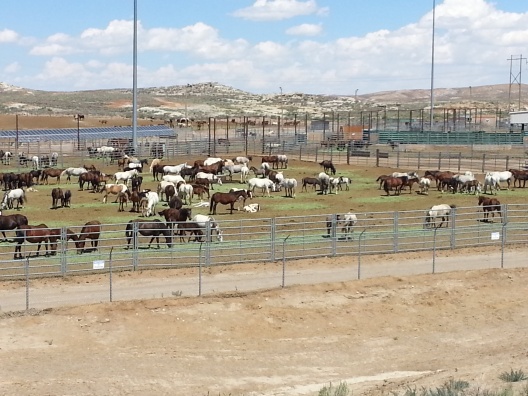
35,234
229,198
394,182
150,228
10,222
271,159
489,205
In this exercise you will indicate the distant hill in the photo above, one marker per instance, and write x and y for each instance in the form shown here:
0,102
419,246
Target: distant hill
216,100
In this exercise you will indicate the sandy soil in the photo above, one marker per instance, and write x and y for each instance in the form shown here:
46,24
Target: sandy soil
379,335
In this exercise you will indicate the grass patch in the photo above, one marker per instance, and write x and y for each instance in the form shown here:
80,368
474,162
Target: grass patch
513,376
298,205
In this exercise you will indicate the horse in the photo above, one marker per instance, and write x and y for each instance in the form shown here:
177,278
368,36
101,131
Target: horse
185,192
72,172
442,211
174,170
519,175
242,169
324,182
175,179
349,221
346,181
90,177
492,181
125,176
150,228
271,159
424,184
57,195
265,184
162,187
175,202
176,216
200,191
50,172
394,182
283,160
10,222
17,194
312,181
209,176
405,174
289,185
258,172
192,228
123,198
242,160
229,198
215,168
6,157
328,166
203,220
152,200
502,176
489,205
92,231
113,189
211,161
34,234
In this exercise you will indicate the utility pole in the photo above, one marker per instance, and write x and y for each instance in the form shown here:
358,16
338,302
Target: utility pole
515,78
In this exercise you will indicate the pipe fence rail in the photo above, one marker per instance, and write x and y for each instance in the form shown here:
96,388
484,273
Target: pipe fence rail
257,242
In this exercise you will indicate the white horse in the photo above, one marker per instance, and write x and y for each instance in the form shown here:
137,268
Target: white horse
11,195
289,184
283,160
239,168
6,158
54,158
174,170
442,211
492,180
211,161
241,160
425,184
209,176
73,172
185,192
125,176
324,181
410,175
349,221
265,184
36,162
202,220
152,201
175,179
504,176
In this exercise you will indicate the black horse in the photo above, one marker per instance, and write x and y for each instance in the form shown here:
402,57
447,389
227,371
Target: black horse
10,222
328,166
152,228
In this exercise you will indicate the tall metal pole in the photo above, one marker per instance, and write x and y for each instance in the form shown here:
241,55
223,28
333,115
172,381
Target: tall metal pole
134,84
78,134
432,66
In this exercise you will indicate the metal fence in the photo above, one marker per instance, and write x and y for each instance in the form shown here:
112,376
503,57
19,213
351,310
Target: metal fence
259,242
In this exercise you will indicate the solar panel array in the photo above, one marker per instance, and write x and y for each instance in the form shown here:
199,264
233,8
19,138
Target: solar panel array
35,135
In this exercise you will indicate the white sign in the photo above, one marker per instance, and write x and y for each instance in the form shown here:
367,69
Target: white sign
98,264
495,236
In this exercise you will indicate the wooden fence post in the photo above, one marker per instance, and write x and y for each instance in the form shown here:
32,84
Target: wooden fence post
483,162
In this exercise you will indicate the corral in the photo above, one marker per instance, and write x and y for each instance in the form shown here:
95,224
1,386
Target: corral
346,324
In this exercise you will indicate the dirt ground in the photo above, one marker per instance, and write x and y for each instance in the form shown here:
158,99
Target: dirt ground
379,335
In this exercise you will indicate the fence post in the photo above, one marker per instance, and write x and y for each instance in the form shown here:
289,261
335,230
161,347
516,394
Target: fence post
135,245
349,147
333,234
440,160
284,260
359,253
300,152
316,153
377,158
452,240
507,162
208,244
503,237
459,161
395,232
483,162
63,249
398,158
272,234
26,271
419,159
434,250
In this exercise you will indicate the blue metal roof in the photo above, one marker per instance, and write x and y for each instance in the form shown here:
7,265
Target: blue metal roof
86,133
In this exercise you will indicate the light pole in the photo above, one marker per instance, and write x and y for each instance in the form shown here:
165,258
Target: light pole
432,66
78,134
355,95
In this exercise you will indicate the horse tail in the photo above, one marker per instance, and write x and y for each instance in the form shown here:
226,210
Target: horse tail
386,187
63,173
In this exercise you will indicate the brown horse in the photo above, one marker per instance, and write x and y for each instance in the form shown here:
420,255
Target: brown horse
328,166
394,182
176,216
381,179
34,234
57,195
519,175
50,172
215,168
273,160
489,205
312,181
200,191
92,231
229,198
12,221
192,228
151,228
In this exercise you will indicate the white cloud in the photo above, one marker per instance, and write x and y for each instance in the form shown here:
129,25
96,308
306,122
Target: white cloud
305,29
8,36
274,10
12,67
52,50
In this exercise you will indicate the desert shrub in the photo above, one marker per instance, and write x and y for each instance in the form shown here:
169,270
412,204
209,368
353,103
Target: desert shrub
513,376
339,390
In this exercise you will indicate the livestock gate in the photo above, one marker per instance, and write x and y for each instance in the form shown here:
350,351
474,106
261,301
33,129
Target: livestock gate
261,241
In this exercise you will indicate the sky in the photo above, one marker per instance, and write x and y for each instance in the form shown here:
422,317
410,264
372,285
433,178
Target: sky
342,47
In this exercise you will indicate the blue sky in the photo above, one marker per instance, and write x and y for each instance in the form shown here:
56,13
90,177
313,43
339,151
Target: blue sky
309,46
